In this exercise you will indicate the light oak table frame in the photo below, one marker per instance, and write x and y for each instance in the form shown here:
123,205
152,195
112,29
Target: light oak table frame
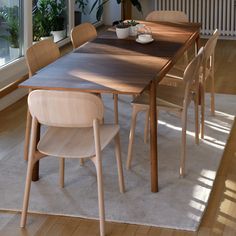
120,66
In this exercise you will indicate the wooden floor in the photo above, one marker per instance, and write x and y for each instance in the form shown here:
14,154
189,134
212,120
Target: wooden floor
219,219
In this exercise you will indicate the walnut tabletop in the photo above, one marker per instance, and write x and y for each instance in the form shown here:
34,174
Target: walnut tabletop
121,66
111,65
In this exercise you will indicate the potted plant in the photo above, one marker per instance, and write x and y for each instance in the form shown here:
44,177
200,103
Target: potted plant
41,20
133,29
57,19
122,30
10,15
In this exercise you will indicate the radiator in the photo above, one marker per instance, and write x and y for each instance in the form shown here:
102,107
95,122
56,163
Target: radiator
212,14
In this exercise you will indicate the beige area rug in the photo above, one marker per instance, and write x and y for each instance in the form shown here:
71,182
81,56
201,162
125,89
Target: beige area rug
179,204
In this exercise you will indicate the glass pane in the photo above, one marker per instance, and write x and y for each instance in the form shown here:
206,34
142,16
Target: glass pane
50,19
10,30
82,11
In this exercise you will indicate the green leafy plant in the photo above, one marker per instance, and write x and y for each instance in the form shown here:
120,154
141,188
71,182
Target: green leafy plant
100,7
11,16
57,15
48,15
41,16
132,22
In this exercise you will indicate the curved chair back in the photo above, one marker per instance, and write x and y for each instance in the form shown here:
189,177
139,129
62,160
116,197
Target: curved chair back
192,74
82,34
64,108
41,54
168,16
209,50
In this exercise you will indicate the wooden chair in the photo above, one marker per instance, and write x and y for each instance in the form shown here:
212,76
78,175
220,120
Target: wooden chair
208,71
61,111
82,34
168,16
38,56
175,99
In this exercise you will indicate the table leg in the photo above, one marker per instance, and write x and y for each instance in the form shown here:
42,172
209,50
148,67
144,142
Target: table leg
35,174
153,138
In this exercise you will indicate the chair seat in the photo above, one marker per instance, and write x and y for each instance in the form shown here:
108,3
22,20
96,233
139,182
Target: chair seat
167,97
74,142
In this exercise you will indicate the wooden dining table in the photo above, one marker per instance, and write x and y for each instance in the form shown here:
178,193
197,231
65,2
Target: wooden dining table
121,66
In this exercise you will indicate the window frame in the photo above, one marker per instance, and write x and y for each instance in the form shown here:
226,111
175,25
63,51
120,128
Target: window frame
21,33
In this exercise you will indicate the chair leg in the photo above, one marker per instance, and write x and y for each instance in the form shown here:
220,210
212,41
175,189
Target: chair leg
202,109
26,193
196,120
116,117
119,164
146,127
97,162
183,146
131,136
62,171
31,163
27,135
212,95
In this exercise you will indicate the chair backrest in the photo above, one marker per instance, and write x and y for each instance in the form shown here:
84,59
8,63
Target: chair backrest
82,34
41,54
192,74
209,49
65,108
168,16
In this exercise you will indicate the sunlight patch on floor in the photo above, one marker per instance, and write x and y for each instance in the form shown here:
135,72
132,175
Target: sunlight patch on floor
207,139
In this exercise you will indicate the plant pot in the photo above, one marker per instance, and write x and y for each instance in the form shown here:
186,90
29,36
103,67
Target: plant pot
58,35
133,30
122,33
47,37
14,53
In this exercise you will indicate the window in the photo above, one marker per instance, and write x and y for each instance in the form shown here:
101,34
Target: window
50,19
40,18
10,30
